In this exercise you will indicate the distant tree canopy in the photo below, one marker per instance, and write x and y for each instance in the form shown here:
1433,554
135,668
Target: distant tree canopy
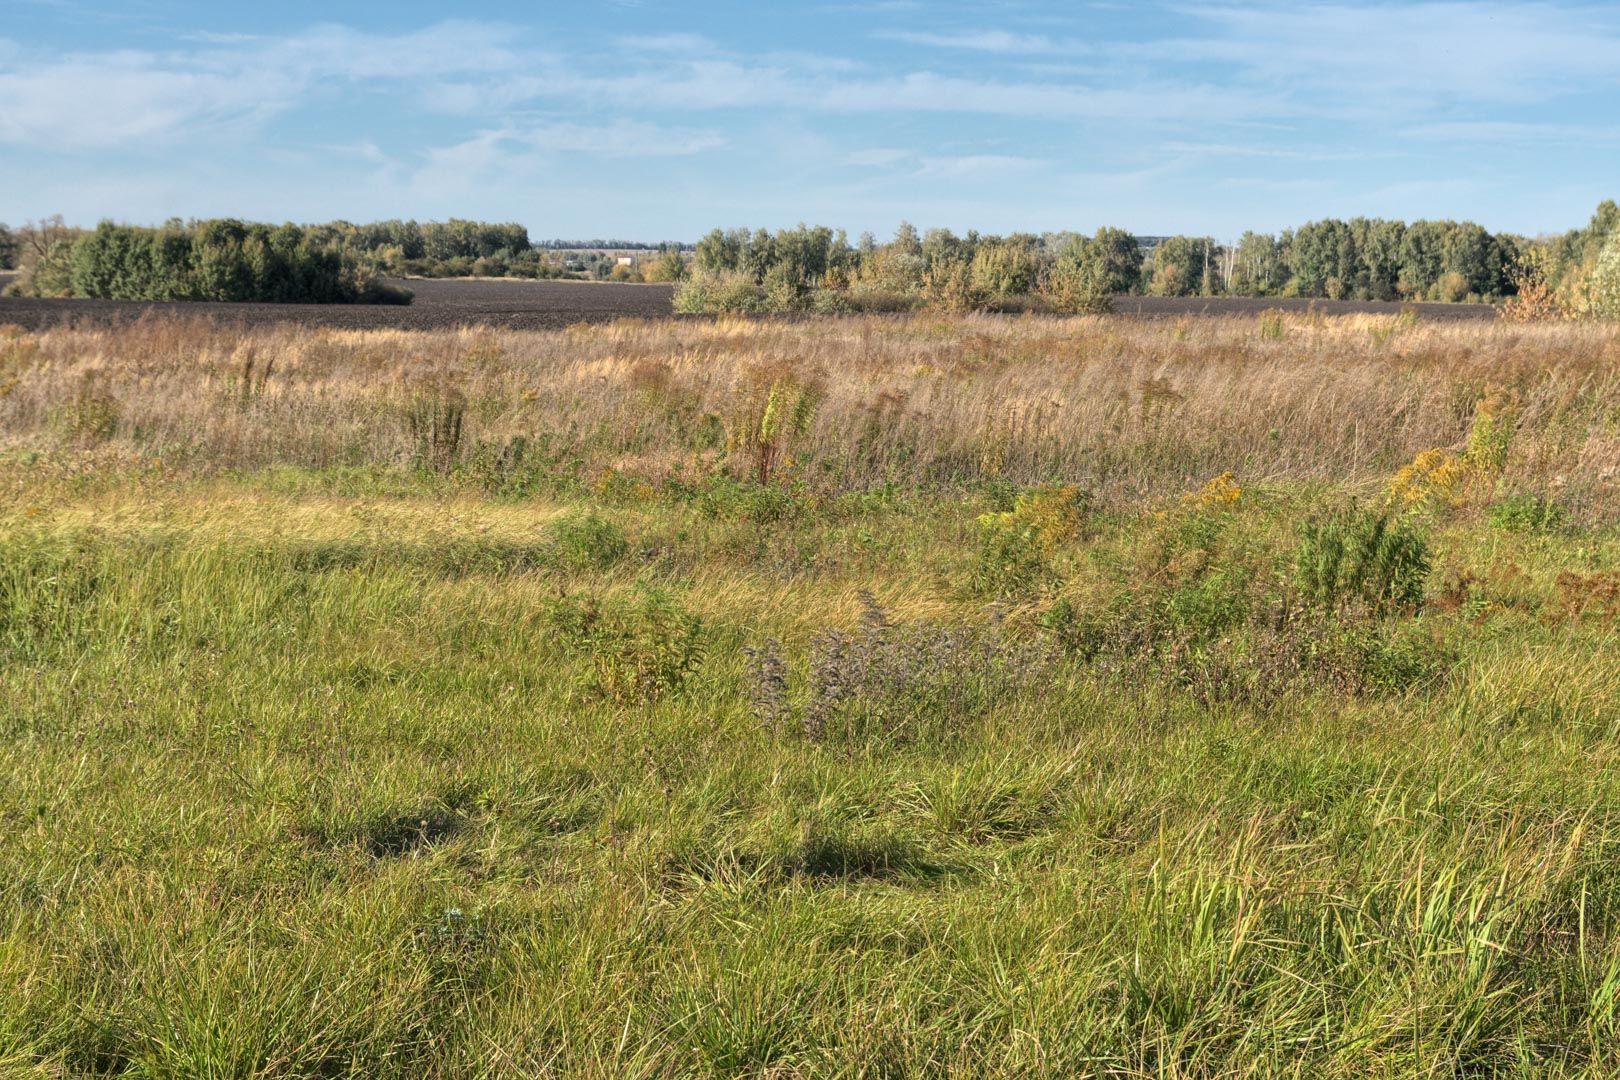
1362,258
9,246
222,260
340,261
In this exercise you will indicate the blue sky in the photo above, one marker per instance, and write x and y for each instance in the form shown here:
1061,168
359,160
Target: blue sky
657,119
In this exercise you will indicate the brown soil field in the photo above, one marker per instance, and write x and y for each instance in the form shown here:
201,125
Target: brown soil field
542,305
439,304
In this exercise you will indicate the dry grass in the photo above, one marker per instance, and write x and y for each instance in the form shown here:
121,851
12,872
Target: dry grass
1126,408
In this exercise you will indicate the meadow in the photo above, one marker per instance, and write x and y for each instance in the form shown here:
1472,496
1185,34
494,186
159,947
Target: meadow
858,697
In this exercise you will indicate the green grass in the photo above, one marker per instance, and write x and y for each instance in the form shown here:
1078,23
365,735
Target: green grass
309,774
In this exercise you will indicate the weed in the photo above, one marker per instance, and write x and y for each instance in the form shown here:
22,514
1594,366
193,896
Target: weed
887,684
433,417
775,408
584,539
1359,556
1528,513
641,650
1017,545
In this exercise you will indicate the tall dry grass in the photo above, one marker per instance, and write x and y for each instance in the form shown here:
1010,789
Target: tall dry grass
1125,407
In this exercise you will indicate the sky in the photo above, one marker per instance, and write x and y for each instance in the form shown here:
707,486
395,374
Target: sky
661,119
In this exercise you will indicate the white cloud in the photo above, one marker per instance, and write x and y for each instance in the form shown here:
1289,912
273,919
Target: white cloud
994,41
878,156
973,165
134,98
1498,132
667,43
1408,56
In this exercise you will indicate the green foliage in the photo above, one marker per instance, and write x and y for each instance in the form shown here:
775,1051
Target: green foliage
584,539
641,650
728,293
1605,284
1185,266
1017,546
1362,557
221,260
1528,513
1086,274
669,266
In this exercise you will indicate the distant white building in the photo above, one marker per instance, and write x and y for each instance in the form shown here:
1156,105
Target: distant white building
627,260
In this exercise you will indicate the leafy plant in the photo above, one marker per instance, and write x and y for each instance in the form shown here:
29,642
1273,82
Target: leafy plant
1361,556
1017,545
585,539
641,650
1528,513
774,409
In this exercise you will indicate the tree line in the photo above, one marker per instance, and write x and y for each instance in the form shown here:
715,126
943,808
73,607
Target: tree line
819,268
219,259
331,262
1363,258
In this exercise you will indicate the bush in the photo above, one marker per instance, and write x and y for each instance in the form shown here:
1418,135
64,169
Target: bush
1605,284
1017,545
222,260
1360,556
728,293
641,650
1528,513
583,539
1076,286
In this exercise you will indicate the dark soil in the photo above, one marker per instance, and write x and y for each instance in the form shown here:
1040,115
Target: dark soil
549,305
439,304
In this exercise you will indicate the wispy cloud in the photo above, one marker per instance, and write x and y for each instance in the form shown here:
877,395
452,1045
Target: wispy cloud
1409,56
1499,132
82,101
992,41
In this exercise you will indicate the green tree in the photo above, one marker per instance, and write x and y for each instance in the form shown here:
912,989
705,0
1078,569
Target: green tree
720,251
1422,256
1605,285
1180,264
1260,269
1120,258
906,241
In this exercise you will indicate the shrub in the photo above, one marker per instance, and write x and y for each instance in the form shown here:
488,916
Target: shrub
1360,556
1605,282
584,539
668,267
1450,288
222,260
641,650
1017,545
1004,270
719,294
1528,513
1076,286
950,286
